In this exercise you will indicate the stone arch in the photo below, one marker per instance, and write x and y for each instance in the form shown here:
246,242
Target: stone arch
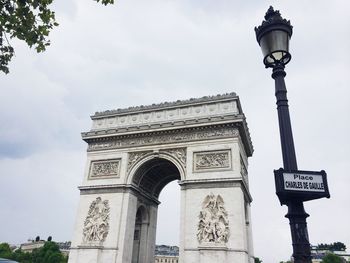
153,175
143,214
141,230
153,171
133,153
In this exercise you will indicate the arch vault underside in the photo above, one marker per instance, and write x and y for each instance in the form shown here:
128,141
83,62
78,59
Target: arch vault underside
134,153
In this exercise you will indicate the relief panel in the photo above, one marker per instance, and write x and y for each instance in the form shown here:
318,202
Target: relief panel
96,224
103,169
213,160
213,225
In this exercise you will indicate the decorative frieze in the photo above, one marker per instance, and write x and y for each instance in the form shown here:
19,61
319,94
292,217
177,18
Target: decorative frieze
173,136
96,224
104,169
214,160
213,225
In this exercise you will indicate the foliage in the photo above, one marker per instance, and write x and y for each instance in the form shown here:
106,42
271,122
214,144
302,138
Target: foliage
105,2
336,246
332,258
27,20
49,253
5,250
257,260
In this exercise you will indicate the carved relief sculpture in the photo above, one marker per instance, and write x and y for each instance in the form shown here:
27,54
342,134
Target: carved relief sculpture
96,224
213,226
156,138
179,154
212,160
133,158
107,168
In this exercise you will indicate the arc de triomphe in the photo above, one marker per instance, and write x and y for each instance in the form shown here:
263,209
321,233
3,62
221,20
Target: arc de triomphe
133,153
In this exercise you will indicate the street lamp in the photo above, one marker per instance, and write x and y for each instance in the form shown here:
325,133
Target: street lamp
293,187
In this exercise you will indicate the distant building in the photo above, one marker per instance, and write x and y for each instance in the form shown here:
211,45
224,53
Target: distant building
319,254
167,250
166,254
30,246
64,247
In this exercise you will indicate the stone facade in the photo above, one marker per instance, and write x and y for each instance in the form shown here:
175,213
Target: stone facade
133,153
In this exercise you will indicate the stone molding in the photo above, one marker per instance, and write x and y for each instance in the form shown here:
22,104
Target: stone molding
212,161
93,247
163,137
117,188
217,183
244,171
178,154
216,248
189,112
165,105
102,169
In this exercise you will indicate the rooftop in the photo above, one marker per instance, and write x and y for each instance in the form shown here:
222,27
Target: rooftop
162,105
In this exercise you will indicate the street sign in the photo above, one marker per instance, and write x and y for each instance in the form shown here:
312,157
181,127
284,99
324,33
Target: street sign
300,185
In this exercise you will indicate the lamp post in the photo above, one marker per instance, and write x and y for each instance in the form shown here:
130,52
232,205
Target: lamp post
273,37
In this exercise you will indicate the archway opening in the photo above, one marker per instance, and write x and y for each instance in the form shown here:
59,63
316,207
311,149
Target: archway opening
150,178
168,222
154,175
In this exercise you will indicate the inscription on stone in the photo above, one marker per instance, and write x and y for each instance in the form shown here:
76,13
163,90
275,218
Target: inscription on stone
212,160
104,169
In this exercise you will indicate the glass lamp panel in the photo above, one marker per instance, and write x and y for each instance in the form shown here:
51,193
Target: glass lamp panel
277,42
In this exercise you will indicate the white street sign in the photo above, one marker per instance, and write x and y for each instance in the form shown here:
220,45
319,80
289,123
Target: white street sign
303,182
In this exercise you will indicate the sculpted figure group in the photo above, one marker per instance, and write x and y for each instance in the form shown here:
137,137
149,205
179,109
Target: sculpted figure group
213,221
96,224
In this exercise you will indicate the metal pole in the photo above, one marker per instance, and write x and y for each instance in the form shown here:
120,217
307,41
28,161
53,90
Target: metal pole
296,213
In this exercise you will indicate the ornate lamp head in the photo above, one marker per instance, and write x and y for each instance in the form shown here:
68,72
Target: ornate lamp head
273,37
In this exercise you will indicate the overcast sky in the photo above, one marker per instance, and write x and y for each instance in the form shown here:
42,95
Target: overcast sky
144,52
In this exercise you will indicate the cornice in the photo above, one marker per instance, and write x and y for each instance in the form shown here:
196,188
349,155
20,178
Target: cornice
169,125
222,183
164,105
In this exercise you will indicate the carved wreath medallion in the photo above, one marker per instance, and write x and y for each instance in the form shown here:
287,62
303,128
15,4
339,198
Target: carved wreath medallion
96,224
213,225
